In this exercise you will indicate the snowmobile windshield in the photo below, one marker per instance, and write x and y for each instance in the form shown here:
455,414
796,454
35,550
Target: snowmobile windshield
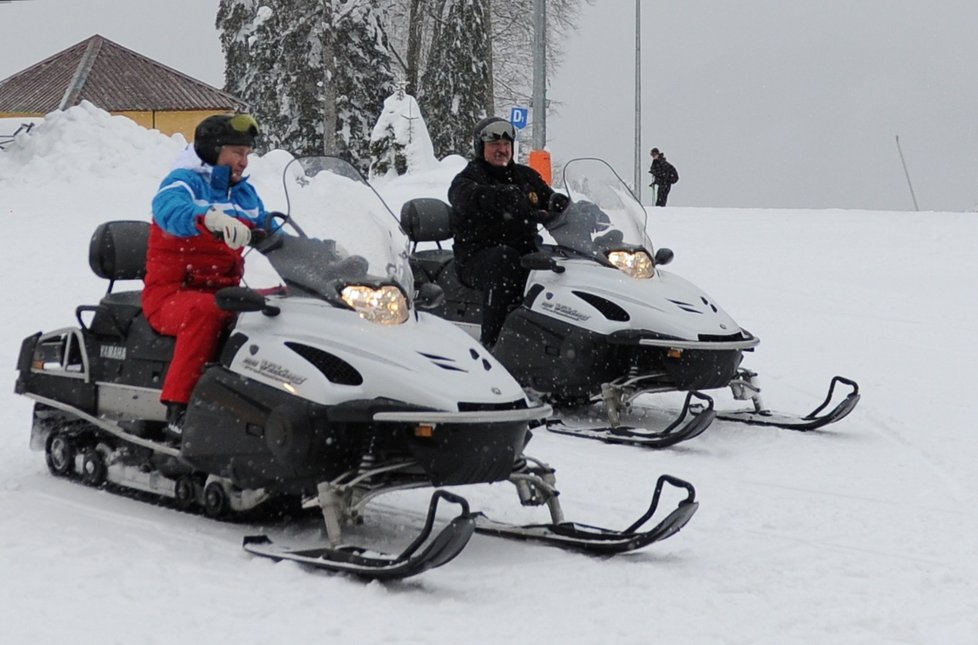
603,215
337,233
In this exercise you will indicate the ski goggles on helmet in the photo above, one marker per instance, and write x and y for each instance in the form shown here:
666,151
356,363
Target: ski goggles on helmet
245,124
498,130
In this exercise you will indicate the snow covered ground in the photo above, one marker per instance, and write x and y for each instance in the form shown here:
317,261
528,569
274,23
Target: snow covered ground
863,533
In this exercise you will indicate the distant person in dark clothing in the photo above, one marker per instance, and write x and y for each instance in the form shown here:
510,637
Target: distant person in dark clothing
497,206
664,175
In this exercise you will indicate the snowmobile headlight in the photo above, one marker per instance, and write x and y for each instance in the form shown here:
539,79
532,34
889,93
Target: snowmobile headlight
637,264
384,305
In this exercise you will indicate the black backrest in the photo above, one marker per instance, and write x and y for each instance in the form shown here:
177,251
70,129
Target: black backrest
426,219
117,250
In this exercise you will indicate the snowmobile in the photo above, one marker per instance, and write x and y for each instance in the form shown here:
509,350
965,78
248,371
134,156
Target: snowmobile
602,323
332,388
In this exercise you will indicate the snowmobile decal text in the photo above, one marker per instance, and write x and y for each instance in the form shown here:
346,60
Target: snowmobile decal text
115,352
563,310
272,370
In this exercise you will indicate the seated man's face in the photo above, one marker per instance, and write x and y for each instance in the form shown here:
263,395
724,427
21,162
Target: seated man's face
237,158
499,152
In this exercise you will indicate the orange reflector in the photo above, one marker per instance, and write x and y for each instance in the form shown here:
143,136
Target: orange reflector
674,353
424,430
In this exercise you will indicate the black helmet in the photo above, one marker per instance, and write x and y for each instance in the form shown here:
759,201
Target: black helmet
223,130
488,130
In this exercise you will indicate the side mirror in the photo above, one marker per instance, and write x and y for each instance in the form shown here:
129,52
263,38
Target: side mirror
539,261
663,257
429,296
242,299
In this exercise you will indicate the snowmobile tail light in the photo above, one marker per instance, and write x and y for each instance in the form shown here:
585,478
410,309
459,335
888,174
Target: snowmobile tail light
424,430
383,305
636,264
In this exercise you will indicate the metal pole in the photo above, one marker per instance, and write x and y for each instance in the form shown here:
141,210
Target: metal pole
907,173
638,100
540,75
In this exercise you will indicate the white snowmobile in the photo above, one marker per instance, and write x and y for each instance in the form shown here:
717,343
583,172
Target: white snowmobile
602,323
330,391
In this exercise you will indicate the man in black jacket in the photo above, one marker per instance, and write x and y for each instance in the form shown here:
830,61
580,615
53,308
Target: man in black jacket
497,205
664,175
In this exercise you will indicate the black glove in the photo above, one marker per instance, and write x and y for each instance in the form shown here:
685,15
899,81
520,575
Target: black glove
542,217
593,218
558,202
511,199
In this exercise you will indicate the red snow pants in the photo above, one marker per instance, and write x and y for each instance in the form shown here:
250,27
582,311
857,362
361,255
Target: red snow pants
194,318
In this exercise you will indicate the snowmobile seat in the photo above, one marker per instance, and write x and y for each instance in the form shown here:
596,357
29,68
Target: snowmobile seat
117,251
428,220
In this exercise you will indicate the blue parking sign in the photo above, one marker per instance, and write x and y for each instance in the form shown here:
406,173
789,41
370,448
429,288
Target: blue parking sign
518,117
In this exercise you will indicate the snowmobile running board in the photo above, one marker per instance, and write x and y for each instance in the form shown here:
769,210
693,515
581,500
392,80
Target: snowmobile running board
598,541
674,433
373,565
810,421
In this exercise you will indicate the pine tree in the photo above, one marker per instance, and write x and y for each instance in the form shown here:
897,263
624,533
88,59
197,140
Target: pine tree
315,72
456,89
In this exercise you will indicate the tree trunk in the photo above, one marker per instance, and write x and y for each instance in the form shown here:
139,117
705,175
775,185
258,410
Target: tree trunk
415,24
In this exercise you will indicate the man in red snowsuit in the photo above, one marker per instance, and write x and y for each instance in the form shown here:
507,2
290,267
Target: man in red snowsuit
203,214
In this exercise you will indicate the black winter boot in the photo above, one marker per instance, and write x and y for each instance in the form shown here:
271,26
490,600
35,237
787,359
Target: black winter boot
175,413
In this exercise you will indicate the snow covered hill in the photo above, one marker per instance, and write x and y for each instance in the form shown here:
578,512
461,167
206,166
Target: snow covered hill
863,533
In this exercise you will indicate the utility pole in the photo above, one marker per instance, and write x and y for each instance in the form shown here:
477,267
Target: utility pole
540,75
638,100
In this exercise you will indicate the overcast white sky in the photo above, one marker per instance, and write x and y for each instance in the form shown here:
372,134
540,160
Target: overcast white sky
759,103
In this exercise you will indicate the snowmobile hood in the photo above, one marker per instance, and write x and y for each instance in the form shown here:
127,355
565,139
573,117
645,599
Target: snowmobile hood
330,355
605,300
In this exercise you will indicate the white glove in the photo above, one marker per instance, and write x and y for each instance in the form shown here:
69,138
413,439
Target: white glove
234,232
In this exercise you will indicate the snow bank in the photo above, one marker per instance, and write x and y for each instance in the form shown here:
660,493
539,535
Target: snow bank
85,142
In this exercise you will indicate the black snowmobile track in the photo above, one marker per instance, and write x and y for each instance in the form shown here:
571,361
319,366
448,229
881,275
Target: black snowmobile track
679,430
364,563
810,421
600,541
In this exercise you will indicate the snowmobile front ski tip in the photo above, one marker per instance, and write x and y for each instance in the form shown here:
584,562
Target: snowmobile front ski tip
810,421
374,565
600,541
700,419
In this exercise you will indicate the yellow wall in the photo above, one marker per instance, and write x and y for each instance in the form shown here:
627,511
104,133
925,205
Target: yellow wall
168,123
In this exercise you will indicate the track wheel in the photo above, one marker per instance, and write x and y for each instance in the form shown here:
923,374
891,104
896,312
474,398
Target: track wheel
93,468
60,455
185,492
216,502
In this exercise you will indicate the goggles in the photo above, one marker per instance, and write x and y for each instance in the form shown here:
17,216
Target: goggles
498,130
245,124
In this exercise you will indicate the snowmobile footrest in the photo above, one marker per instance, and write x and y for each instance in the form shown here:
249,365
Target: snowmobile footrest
361,562
811,421
601,541
679,430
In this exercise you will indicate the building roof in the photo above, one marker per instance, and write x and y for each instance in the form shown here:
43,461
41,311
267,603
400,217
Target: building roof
111,77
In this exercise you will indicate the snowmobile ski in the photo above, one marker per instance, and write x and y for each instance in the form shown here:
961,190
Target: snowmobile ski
681,429
811,421
600,541
374,565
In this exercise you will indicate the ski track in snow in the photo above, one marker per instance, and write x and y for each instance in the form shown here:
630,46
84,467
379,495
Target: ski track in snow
861,533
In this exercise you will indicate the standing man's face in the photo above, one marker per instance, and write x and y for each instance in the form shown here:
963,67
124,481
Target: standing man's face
499,152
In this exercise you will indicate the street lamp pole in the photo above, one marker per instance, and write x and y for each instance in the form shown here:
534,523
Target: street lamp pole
638,100
540,75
